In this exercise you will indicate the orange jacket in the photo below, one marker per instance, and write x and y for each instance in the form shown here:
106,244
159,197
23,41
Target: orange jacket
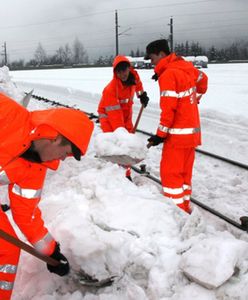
179,83
115,107
25,179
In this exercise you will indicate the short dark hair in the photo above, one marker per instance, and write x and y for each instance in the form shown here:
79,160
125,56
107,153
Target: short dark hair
157,46
122,66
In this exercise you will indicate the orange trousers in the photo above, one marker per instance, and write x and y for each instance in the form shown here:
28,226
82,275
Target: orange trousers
176,168
9,257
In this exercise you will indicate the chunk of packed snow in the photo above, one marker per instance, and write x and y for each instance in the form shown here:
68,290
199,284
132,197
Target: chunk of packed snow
213,261
120,142
7,87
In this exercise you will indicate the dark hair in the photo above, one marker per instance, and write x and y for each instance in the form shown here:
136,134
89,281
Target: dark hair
130,80
31,154
75,150
157,46
122,66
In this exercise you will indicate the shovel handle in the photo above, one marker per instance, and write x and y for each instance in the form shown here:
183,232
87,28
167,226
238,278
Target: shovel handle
138,118
149,145
18,243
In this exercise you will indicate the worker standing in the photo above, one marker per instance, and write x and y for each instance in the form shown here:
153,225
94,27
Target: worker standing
181,87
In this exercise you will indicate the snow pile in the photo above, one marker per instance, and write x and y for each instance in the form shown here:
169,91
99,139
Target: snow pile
107,225
7,87
120,142
212,261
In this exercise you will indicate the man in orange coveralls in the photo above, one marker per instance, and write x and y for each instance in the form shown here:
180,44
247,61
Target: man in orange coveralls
31,142
181,87
115,107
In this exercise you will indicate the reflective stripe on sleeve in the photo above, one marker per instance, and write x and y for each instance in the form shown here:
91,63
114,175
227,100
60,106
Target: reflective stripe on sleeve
26,193
112,107
169,94
171,191
8,269
163,128
184,130
124,101
6,285
139,93
101,116
183,94
4,178
42,244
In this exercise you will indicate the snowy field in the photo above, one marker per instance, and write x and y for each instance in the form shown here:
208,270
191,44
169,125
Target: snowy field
109,226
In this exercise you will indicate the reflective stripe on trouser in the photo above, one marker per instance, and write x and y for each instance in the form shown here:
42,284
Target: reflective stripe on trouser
176,174
9,257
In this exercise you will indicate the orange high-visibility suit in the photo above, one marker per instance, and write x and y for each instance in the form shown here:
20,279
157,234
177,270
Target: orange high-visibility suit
25,179
181,85
115,107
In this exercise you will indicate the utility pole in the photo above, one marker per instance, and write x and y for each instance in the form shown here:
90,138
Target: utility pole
116,34
5,53
171,34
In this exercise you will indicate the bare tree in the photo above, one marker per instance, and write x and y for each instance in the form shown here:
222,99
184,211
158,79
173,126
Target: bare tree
40,55
79,54
64,55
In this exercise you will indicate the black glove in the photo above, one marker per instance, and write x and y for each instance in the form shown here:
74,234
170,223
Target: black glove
155,77
63,268
144,99
5,207
155,140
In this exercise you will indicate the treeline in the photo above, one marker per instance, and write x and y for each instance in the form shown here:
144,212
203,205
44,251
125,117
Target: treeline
75,55
67,55
234,51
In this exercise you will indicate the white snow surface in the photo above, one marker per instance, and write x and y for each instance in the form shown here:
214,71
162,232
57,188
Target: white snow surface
212,261
120,142
107,225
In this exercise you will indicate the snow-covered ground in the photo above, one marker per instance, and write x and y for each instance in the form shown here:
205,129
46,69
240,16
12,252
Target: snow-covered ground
107,225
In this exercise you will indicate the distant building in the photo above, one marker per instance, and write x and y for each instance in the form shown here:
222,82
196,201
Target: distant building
198,61
140,62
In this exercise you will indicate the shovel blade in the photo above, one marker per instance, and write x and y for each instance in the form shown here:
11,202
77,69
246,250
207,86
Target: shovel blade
26,99
87,280
122,159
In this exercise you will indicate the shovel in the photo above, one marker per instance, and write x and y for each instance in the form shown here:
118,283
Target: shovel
81,277
26,99
123,159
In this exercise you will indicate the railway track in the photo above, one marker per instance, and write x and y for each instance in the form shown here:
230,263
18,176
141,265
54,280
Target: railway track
243,225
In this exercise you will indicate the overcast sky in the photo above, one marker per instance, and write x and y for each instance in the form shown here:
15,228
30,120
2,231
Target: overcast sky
53,23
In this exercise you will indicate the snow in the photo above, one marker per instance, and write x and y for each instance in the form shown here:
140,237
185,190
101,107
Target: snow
120,142
107,225
211,262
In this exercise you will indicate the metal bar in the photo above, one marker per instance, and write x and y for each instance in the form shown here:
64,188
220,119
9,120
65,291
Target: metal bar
209,209
18,243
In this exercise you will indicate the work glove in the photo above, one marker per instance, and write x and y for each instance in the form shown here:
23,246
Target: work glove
63,267
155,140
144,99
5,207
155,77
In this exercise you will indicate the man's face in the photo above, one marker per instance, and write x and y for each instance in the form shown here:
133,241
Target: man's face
52,149
155,58
123,75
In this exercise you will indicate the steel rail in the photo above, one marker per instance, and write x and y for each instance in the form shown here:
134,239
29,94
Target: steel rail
244,220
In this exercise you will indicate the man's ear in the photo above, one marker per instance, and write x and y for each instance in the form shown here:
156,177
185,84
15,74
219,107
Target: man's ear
58,139
162,54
